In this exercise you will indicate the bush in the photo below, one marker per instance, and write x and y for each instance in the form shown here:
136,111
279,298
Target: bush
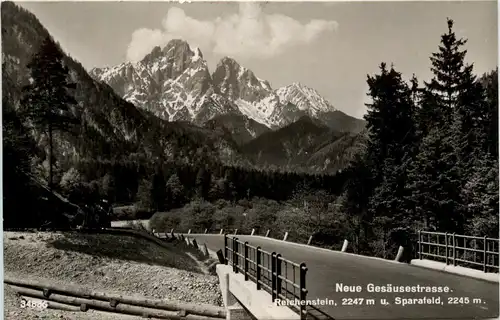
165,221
131,212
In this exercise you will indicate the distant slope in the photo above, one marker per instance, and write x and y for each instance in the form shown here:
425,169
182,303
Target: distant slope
240,127
341,122
306,144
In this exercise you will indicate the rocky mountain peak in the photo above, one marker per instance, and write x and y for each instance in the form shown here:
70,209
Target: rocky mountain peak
174,83
237,82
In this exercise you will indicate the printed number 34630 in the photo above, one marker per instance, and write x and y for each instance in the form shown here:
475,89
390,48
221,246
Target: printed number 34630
34,304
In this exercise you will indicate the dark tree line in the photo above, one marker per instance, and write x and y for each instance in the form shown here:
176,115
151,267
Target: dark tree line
432,158
169,185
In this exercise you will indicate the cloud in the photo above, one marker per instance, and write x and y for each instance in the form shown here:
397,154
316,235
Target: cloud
248,33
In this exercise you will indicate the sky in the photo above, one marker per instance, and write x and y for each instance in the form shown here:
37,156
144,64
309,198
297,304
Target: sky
329,46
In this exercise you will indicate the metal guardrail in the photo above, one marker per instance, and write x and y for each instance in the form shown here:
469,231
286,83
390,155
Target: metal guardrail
282,278
472,252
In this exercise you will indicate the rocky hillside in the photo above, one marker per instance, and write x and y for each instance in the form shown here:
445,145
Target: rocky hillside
111,127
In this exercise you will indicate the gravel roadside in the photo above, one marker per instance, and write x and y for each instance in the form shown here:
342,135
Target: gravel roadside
111,264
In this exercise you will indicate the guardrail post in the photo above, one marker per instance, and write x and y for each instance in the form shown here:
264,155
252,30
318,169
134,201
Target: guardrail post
278,276
189,231
225,249
245,246
221,231
303,291
485,254
344,246
454,249
286,236
310,239
267,233
446,246
419,244
235,255
273,276
399,255
235,231
258,267
206,231
253,231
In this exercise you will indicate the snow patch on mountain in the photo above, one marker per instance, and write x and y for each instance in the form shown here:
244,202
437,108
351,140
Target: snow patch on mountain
305,98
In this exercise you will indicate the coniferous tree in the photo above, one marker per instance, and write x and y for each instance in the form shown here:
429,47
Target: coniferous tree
449,120
392,131
490,84
46,99
390,118
441,93
434,182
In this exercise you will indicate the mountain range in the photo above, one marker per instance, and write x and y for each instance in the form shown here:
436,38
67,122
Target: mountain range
169,106
175,84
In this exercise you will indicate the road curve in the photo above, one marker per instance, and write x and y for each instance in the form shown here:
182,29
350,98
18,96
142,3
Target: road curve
326,269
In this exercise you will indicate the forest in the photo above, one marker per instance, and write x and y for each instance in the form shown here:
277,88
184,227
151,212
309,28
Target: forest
429,162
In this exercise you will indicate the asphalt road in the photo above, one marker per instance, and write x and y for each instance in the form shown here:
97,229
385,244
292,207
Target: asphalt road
327,269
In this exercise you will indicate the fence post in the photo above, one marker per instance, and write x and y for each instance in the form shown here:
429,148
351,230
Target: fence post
189,231
278,276
485,254
273,276
454,249
446,246
221,231
303,291
310,239
206,231
286,236
225,249
419,244
246,260
267,233
235,255
235,231
258,267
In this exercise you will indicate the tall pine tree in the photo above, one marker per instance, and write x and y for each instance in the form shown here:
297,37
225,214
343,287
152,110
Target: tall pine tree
46,100
391,123
449,118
